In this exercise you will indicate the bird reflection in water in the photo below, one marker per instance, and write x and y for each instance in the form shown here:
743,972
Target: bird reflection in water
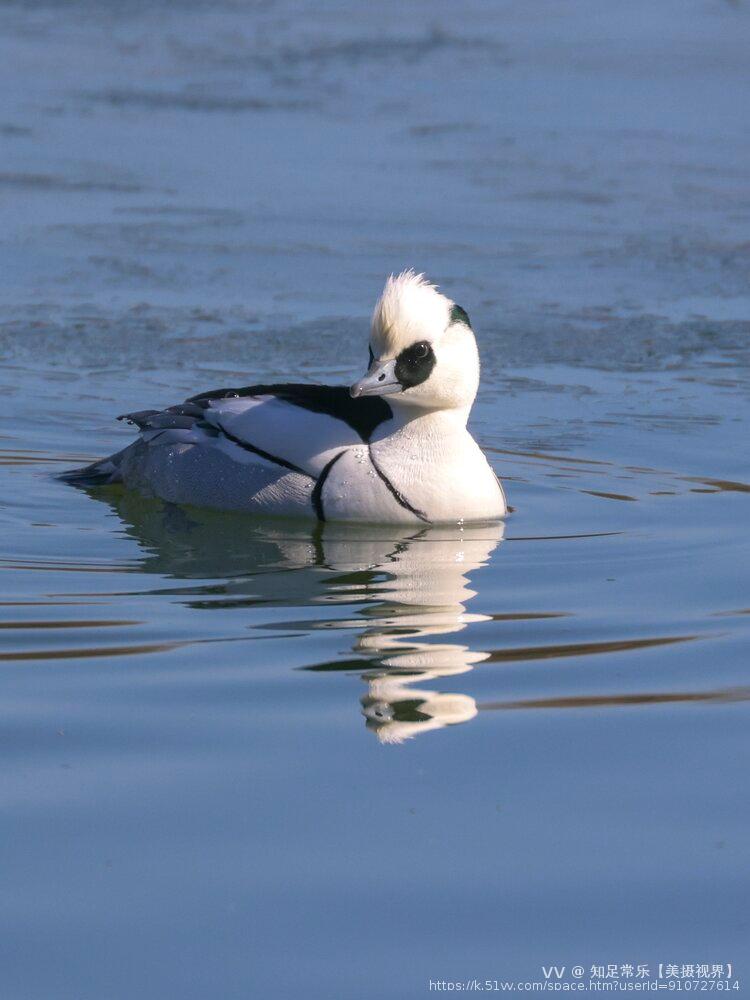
422,600
411,585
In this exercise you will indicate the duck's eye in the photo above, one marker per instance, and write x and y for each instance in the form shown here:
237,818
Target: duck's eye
415,363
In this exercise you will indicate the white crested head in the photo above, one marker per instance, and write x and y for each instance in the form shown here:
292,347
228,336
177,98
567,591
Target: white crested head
423,349
409,309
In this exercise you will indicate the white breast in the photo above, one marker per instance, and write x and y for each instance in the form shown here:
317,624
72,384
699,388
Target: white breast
445,475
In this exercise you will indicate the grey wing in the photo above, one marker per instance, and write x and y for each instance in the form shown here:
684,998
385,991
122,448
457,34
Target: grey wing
220,451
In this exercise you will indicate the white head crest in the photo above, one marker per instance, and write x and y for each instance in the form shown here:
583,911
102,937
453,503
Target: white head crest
409,309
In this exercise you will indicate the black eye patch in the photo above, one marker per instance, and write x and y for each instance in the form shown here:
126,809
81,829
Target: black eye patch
414,364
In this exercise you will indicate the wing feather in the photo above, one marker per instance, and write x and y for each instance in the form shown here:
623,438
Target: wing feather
300,427
298,438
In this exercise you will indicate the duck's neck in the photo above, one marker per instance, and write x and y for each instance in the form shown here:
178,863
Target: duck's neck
414,422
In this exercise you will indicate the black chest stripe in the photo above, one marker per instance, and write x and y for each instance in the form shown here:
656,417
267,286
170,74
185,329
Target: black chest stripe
397,496
317,493
263,454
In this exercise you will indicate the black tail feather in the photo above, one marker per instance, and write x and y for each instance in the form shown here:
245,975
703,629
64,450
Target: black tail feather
97,474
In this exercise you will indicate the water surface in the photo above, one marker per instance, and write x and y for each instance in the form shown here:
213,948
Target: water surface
260,758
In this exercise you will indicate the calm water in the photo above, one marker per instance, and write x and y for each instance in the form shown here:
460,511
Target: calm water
256,759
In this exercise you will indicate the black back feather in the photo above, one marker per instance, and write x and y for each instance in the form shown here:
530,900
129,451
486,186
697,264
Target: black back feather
363,414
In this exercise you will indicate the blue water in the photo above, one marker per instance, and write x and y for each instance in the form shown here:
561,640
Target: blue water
248,758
